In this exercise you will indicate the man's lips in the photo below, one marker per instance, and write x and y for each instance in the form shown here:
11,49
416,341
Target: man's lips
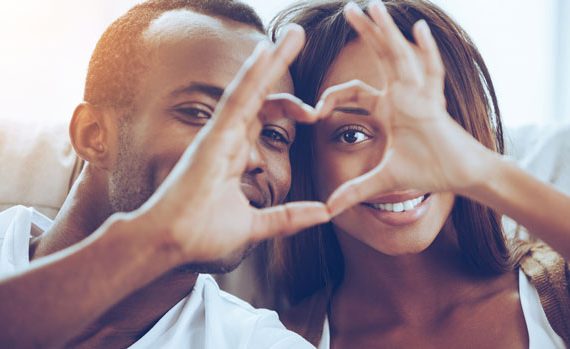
255,195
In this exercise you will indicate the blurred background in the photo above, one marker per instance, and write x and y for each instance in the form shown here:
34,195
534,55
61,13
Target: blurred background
45,47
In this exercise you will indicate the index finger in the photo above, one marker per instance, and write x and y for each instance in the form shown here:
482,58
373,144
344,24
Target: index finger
243,98
289,106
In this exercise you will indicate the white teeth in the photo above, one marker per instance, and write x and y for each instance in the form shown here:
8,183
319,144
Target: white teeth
410,204
399,206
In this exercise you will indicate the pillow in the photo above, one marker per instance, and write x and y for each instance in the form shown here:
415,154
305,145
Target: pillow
38,164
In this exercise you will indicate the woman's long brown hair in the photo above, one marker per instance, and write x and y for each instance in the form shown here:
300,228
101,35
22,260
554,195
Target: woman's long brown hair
312,260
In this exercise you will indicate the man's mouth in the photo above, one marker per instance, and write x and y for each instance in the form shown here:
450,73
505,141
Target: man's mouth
399,206
256,196
256,204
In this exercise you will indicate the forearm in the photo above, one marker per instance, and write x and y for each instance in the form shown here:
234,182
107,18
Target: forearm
61,294
538,206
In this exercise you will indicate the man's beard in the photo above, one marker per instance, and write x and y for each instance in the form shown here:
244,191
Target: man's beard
133,181
222,266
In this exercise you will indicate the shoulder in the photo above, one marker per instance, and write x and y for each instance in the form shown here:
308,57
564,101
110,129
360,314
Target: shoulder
242,323
549,273
15,233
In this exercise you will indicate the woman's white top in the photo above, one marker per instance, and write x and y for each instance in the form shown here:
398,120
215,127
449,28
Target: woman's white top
540,333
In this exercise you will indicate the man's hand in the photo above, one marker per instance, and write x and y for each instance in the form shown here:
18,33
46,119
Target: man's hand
200,204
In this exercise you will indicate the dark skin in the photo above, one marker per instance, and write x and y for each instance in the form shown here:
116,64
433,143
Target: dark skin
198,57
427,296
405,285
426,300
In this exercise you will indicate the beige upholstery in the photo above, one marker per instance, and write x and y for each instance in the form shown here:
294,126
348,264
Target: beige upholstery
38,164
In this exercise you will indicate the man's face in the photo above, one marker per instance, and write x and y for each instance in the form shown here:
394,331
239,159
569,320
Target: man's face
194,57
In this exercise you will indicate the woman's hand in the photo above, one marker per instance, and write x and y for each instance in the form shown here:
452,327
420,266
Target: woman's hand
426,149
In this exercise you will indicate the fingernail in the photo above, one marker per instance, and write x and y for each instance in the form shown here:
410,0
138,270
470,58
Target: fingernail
292,27
263,46
424,30
319,106
378,4
288,30
423,25
352,6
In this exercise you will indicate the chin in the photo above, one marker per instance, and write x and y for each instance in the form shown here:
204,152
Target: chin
221,266
394,243
403,245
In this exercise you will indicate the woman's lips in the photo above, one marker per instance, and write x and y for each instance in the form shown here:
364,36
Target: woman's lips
399,210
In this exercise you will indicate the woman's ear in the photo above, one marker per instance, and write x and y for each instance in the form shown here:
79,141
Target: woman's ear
90,134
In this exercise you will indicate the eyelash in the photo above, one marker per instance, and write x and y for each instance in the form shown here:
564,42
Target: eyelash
338,137
271,133
191,115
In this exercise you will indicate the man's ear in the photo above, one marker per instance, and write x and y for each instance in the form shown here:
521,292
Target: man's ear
91,135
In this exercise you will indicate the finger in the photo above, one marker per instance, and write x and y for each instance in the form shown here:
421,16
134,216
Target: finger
289,106
288,219
246,94
359,189
397,47
367,30
430,52
354,91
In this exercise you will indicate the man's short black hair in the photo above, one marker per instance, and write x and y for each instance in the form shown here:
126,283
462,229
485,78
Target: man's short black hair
118,61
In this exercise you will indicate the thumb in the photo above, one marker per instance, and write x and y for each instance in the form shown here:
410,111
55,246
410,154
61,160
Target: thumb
288,219
359,189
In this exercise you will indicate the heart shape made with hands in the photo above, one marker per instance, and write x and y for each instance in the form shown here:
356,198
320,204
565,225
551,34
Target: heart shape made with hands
352,93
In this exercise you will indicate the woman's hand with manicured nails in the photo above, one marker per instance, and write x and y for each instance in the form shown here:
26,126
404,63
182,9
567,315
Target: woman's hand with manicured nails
426,149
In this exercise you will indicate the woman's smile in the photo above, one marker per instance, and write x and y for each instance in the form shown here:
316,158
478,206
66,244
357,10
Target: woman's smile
398,210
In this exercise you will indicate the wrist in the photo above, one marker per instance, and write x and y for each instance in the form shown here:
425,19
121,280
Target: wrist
489,177
153,237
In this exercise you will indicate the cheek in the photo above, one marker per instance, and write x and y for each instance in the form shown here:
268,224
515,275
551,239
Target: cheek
164,154
279,174
334,167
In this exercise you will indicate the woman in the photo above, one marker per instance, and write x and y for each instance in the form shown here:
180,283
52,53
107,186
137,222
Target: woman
416,258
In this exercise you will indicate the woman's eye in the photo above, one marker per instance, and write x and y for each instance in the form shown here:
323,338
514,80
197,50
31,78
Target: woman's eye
352,137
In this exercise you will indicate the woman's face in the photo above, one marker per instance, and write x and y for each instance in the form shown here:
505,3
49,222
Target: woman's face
349,144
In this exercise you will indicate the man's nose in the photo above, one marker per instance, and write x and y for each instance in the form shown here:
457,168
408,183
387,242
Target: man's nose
256,163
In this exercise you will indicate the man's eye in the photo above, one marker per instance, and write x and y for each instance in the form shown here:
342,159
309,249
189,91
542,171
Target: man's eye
193,115
351,136
275,136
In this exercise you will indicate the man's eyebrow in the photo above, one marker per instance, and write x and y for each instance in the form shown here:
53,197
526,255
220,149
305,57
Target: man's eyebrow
355,110
213,91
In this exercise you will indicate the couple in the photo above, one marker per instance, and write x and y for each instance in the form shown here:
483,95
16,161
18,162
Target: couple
188,166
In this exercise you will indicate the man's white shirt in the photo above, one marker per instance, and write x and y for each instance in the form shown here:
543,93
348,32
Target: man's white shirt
206,318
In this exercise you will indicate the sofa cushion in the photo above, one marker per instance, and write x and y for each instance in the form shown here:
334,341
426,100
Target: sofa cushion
38,164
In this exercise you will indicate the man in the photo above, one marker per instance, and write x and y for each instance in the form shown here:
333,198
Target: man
157,76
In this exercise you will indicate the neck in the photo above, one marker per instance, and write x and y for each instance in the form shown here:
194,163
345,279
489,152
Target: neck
84,210
409,289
